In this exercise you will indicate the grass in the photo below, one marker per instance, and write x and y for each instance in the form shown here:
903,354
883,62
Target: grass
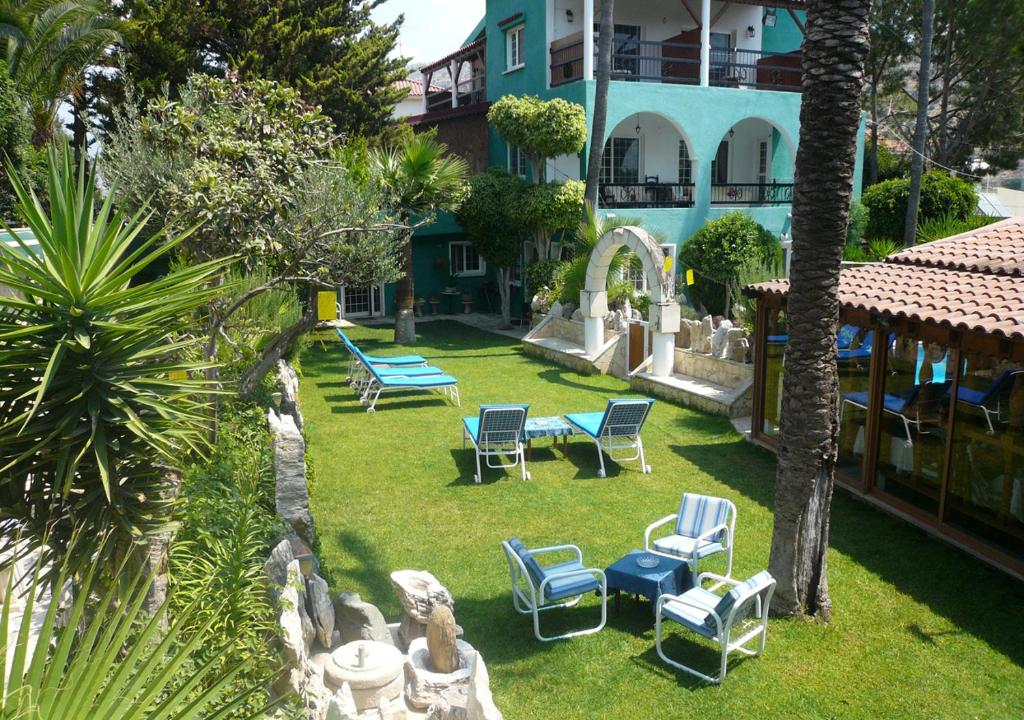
920,629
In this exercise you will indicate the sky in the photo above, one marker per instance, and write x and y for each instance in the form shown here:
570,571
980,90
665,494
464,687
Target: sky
432,28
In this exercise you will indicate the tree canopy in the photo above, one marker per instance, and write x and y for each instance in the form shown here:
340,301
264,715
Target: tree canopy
541,129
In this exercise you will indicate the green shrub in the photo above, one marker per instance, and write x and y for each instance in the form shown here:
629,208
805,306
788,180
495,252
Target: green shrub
882,248
716,252
857,224
540,274
891,164
855,253
941,195
948,225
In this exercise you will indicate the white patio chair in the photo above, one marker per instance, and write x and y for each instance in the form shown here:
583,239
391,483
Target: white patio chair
716,617
497,433
705,525
536,588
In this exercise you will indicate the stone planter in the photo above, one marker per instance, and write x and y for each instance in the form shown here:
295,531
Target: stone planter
424,687
373,671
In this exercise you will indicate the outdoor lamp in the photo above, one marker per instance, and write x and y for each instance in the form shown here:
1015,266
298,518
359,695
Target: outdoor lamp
750,31
569,15
770,16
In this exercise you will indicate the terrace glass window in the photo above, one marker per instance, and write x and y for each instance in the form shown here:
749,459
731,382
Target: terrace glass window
914,422
514,45
720,165
620,162
775,360
721,55
685,164
985,494
854,363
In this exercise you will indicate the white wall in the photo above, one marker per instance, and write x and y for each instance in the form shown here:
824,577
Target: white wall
660,146
407,107
563,167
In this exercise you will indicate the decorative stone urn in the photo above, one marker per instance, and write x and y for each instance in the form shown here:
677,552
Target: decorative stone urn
373,670
426,687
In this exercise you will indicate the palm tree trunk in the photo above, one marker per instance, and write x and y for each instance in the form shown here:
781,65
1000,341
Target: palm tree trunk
921,130
599,128
835,48
405,316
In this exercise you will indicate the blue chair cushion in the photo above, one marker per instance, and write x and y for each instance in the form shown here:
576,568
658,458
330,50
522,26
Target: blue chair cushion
696,619
683,546
418,371
972,396
725,605
561,588
590,423
893,402
700,513
418,382
846,336
395,359
473,428
532,566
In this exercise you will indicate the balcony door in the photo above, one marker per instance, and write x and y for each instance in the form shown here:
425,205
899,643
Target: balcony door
721,56
625,51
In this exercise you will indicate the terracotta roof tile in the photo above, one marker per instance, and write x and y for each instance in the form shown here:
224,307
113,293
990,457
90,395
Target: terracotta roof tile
997,249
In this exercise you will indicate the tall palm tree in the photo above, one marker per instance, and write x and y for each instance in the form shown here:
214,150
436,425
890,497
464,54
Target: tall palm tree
834,50
921,127
422,180
599,127
48,46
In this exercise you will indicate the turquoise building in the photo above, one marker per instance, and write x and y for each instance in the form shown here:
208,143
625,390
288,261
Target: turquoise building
703,119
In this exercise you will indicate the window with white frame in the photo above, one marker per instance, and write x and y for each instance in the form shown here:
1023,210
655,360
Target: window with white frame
685,164
514,39
518,164
463,260
620,162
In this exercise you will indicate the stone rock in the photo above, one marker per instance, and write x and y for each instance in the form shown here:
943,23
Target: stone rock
372,670
735,345
424,686
683,336
293,642
292,493
739,352
441,710
322,609
577,314
342,705
568,309
317,697
539,302
297,582
276,566
556,309
359,620
707,329
480,702
620,324
420,592
718,338
635,315
627,308
444,656
288,381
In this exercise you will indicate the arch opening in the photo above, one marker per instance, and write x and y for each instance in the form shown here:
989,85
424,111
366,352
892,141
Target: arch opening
753,166
648,162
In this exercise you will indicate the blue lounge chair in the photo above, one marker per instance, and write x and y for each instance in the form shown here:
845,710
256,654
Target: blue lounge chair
713,617
536,588
617,428
904,404
705,525
497,432
378,383
381,361
996,394
846,335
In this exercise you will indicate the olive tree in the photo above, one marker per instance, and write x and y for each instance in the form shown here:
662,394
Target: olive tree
491,215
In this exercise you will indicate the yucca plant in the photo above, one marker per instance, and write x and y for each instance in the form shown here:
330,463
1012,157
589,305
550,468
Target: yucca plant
96,380
109,660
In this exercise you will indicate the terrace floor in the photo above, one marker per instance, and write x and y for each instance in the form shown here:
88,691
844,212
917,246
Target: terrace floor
920,629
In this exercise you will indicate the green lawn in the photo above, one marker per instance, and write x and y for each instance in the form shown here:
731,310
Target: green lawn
919,630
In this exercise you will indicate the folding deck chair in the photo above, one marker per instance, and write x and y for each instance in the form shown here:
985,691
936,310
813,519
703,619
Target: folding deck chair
497,433
907,404
381,361
377,383
994,400
617,428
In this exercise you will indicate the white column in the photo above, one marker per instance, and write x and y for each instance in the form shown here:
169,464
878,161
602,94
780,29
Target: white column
663,348
588,39
593,335
453,73
705,43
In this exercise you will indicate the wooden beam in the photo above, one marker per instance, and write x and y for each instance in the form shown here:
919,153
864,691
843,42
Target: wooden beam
696,19
796,19
721,12
876,394
954,391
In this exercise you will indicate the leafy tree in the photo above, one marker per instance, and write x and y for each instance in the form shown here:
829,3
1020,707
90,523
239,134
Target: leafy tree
420,180
49,47
15,148
941,195
88,405
550,208
492,218
540,129
283,196
834,52
921,124
885,69
718,250
332,52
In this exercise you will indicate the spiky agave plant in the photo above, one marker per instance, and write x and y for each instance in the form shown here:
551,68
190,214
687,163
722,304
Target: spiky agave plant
109,660
96,381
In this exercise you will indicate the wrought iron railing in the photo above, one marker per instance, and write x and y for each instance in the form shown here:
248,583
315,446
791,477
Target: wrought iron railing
679,63
772,193
646,195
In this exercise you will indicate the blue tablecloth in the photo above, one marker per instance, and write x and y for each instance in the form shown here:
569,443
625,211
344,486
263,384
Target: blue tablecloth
546,427
670,576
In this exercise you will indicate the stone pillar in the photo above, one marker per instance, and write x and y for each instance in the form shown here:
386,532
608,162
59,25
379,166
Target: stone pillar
593,335
705,43
594,306
664,324
588,39
453,71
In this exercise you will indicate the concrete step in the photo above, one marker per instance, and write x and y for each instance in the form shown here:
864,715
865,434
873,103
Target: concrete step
694,392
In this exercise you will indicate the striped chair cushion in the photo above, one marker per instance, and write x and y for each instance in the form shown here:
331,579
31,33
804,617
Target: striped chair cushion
700,513
532,566
725,605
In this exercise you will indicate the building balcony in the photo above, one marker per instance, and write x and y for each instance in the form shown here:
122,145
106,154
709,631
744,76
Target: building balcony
457,80
752,194
679,63
651,194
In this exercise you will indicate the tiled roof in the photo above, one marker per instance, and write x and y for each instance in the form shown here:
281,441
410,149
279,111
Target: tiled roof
465,50
969,282
415,87
997,249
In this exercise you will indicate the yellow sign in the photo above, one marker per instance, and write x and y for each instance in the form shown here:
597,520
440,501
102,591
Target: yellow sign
178,375
326,306
689,277
667,267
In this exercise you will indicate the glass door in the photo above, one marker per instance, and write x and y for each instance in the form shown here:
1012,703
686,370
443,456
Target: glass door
362,302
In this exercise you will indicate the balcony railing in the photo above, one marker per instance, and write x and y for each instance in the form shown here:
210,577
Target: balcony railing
679,63
470,92
751,194
646,195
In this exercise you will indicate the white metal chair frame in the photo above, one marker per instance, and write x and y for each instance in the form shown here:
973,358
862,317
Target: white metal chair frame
527,604
376,389
504,441
723,626
622,436
693,559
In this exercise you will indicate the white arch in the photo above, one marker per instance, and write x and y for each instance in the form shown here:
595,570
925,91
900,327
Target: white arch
664,310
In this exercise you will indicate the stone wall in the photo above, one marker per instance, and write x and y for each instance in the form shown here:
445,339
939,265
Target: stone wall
717,370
